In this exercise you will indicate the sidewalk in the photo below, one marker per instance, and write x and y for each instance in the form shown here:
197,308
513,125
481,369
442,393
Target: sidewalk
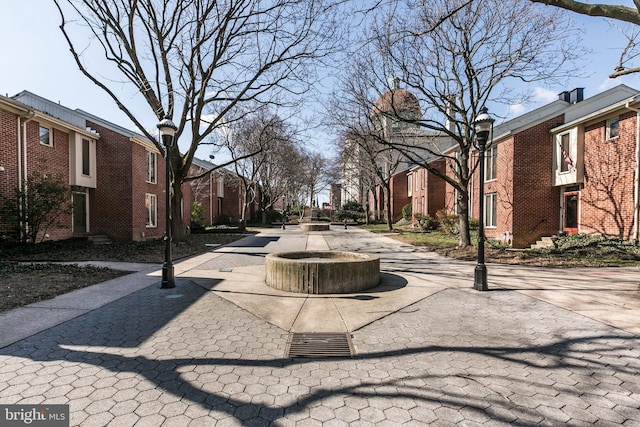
544,346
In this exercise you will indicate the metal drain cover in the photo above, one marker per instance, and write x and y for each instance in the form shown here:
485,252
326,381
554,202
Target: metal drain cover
319,345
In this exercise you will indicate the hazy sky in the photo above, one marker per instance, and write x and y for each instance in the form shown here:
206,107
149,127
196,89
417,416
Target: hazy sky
35,57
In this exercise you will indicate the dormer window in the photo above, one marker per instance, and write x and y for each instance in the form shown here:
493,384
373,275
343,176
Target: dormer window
613,128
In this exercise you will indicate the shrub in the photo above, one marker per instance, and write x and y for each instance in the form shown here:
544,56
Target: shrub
353,206
197,214
37,206
448,224
426,222
274,216
407,212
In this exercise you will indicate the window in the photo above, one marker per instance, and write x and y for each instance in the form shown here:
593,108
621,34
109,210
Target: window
566,164
613,128
45,136
490,164
220,187
490,209
86,162
151,204
409,184
151,167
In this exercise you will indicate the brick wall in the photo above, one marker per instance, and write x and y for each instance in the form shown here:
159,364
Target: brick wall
606,201
50,161
536,203
8,159
430,187
399,195
110,208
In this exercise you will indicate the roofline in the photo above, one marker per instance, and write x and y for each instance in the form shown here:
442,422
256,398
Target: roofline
23,109
597,115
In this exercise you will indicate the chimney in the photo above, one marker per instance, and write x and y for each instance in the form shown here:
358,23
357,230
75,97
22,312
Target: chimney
564,96
576,95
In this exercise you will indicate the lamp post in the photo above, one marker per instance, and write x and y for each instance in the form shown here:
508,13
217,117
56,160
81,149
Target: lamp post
482,126
167,132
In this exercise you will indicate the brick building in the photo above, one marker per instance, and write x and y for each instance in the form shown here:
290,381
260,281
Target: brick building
220,193
426,191
117,176
568,167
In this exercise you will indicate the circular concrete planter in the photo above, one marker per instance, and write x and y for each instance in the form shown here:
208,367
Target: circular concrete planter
314,226
322,272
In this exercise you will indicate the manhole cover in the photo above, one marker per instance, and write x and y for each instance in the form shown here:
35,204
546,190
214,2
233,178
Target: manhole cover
319,345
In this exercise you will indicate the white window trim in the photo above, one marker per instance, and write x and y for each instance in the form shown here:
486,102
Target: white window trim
151,179
151,201
490,221
492,158
50,135
608,128
410,184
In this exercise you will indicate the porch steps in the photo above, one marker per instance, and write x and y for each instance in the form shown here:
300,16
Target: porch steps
101,239
543,243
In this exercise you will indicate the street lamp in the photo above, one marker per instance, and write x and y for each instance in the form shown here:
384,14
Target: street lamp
482,125
167,132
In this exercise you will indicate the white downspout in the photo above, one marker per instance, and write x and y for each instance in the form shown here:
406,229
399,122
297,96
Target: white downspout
636,175
22,148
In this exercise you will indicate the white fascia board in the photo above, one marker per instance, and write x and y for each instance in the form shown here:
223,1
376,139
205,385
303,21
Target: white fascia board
140,140
64,126
599,114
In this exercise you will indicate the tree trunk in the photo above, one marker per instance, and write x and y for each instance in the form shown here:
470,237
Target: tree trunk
374,193
387,202
178,231
463,216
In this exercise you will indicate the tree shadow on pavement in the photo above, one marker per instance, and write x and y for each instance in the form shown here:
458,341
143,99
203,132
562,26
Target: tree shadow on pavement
520,384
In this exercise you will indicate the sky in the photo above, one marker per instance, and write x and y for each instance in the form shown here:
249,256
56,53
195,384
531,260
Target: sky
35,57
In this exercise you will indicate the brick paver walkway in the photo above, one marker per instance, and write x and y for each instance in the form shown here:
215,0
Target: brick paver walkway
188,357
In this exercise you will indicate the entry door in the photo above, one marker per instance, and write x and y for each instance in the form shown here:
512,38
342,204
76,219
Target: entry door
570,220
79,213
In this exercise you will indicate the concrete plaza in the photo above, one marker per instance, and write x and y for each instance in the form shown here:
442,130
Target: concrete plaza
545,346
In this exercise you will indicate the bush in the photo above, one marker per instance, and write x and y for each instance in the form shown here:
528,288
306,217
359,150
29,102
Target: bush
353,206
407,212
448,224
222,219
426,222
197,215
274,216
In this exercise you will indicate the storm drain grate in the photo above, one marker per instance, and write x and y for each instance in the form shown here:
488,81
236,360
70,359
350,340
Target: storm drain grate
319,345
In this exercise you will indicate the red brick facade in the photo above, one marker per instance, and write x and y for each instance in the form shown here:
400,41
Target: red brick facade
606,200
217,208
428,190
527,204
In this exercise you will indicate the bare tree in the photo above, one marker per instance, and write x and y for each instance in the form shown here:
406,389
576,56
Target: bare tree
316,174
618,12
267,175
197,60
454,67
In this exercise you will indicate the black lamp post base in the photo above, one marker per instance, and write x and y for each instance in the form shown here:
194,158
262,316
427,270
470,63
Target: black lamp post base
480,278
168,279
